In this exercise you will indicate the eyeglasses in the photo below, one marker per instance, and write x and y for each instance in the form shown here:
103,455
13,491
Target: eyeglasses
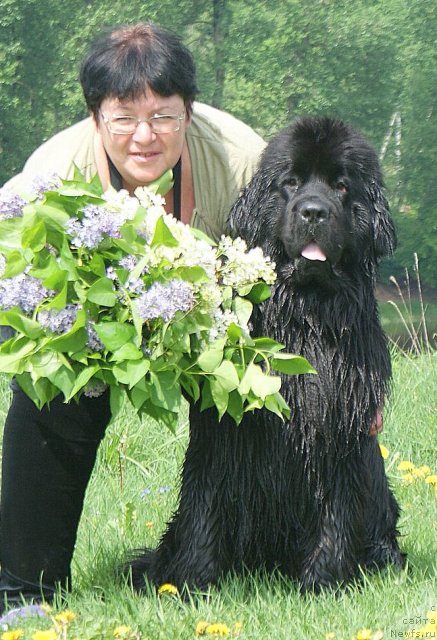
159,123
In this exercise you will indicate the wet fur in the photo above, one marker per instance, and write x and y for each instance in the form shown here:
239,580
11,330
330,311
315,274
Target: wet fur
310,496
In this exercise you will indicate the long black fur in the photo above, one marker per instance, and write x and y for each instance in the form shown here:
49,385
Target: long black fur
309,496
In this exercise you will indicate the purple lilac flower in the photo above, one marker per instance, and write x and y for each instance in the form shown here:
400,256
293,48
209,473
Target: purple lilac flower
164,300
23,291
97,222
11,204
94,343
59,321
128,263
43,183
95,388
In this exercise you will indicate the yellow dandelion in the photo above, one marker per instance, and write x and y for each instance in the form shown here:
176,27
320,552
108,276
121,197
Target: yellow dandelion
217,629
12,635
364,634
50,634
237,627
65,617
168,588
46,607
384,451
431,479
122,631
201,627
405,465
408,478
150,524
331,634
422,471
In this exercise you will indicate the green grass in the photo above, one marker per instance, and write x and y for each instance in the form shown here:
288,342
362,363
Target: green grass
119,515
402,322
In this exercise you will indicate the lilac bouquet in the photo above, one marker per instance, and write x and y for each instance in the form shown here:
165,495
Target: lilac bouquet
104,290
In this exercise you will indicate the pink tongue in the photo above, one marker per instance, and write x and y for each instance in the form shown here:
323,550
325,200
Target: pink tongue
313,252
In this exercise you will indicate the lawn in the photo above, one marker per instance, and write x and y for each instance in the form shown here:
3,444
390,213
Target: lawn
134,490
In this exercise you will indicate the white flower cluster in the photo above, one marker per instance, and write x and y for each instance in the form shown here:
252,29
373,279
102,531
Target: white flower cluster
242,267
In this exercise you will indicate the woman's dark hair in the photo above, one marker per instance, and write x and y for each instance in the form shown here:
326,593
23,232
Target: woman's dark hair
124,60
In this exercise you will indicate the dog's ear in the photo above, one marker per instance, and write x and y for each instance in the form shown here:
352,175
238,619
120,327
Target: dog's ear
384,233
249,216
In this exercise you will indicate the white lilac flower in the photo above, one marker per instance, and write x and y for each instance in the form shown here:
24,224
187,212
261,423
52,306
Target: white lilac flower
11,204
164,300
242,267
43,183
122,202
23,291
59,320
154,204
210,297
222,321
94,389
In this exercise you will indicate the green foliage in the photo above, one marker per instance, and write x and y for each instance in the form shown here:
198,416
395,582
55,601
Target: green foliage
149,352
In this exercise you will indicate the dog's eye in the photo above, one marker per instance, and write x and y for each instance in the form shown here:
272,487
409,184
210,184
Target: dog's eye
342,186
289,187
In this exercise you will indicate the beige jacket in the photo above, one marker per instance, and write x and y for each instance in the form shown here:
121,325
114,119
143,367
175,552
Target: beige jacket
224,153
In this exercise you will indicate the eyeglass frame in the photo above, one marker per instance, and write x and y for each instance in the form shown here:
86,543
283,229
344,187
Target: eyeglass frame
155,117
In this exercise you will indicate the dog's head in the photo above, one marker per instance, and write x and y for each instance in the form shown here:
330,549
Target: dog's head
316,202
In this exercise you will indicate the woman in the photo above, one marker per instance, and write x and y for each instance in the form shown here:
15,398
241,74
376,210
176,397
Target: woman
139,85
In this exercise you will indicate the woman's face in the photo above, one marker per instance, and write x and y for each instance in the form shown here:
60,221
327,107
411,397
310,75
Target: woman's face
143,156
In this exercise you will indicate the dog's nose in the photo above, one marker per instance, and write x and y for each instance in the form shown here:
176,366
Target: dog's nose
313,212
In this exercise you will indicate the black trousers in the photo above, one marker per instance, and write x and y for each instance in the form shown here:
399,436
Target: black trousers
47,460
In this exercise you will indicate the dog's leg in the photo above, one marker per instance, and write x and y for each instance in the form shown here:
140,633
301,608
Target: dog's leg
382,513
194,551
336,534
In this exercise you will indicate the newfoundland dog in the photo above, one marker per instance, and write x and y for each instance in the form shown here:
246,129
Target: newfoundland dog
308,496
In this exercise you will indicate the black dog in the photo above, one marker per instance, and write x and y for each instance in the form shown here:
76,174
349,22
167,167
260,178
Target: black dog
309,496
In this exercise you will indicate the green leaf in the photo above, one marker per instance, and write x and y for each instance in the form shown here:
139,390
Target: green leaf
21,323
116,400
220,395
131,372
211,358
127,351
207,401
235,406
256,380
163,235
276,404
10,234
267,345
259,293
228,375
82,379
34,236
163,184
165,390
64,379
291,364
102,293
16,263
243,309
73,341
114,334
